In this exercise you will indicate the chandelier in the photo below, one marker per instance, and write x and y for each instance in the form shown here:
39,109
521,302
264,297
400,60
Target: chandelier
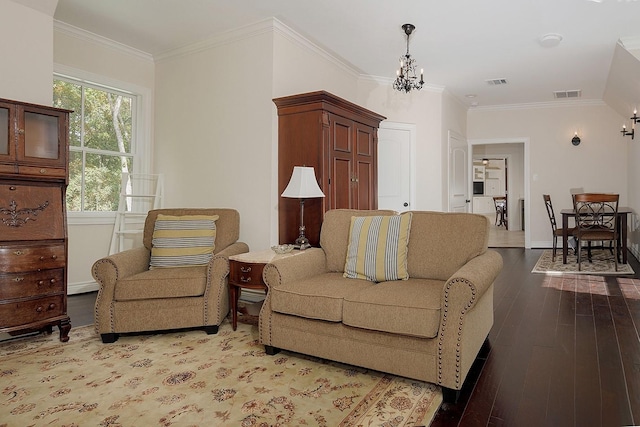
407,79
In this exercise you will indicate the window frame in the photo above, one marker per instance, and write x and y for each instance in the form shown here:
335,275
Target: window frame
141,136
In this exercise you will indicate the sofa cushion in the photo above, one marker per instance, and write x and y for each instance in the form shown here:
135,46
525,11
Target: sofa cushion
377,248
411,307
334,234
442,242
162,283
183,241
318,297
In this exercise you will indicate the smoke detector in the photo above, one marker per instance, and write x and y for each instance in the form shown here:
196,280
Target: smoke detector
550,40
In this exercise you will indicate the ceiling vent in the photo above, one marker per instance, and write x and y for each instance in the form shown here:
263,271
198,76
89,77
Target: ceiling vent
496,82
565,94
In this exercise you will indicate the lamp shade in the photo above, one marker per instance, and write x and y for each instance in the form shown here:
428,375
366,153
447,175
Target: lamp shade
303,184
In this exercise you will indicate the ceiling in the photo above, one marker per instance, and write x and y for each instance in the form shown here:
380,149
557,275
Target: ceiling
459,43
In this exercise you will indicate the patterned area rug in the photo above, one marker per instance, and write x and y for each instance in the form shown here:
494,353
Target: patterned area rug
602,263
194,379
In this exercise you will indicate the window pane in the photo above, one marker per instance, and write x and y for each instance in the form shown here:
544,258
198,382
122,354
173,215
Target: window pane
107,124
69,96
102,176
74,190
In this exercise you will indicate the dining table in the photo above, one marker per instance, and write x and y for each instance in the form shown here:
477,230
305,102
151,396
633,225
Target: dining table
621,219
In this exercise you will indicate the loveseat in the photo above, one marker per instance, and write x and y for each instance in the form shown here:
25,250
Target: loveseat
429,327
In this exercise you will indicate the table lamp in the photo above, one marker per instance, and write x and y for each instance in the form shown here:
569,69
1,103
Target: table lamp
302,185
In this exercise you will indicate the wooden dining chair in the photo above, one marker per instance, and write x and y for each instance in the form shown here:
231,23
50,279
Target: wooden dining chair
500,203
555,231
596,220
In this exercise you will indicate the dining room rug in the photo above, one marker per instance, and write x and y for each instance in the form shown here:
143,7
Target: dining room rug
601,263
193,379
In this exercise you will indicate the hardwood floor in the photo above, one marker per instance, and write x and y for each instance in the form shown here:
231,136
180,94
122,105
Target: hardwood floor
563,351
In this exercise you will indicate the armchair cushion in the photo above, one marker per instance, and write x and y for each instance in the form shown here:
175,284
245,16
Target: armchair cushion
183,241
378,248
175,283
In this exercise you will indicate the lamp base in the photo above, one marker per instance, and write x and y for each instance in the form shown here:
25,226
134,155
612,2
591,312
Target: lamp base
302,242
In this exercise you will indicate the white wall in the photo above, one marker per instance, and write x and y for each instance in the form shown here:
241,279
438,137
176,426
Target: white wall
27,54
599,163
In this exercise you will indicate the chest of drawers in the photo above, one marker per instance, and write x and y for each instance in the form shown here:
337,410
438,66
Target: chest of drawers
33,227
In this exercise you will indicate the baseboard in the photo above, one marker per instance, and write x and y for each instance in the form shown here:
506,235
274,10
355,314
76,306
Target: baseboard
82,287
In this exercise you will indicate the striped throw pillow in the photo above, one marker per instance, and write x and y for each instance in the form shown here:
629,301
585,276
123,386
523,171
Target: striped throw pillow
183,241
378,248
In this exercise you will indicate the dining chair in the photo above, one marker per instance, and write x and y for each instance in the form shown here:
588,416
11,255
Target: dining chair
596,220
556,232
500,203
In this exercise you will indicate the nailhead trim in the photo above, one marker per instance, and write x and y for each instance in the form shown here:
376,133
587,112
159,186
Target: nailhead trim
96,316
444,325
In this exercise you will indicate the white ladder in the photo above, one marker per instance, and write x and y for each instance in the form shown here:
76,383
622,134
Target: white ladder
139,193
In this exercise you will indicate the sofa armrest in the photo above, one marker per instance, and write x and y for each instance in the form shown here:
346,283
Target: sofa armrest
217,292
307,263
466,317
106,271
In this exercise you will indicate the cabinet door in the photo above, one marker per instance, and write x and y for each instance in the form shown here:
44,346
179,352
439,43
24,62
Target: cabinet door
31,212
366,160
42,136
7,133
341,160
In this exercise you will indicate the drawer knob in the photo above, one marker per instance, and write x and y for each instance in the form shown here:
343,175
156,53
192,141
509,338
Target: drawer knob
245,269
245,279
52,306
12,188
18,279
18,253
54,256
43,171
52,281
40,282
41,258
39,309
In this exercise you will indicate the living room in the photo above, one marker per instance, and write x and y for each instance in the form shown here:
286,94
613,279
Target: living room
211,125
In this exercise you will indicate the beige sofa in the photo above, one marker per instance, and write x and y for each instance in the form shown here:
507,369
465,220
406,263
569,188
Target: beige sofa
134,298
429,327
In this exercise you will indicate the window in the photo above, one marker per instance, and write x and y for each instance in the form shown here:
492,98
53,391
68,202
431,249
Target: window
102,138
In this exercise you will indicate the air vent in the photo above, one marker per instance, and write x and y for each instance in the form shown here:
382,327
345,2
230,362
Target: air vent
496,82
564,94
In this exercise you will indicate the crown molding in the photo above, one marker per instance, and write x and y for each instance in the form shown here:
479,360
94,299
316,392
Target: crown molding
79,33
630,43
534,105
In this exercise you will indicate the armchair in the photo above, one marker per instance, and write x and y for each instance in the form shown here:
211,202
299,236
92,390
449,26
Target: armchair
134,298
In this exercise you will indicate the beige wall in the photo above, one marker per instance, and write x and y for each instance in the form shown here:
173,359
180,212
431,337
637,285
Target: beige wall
599,163
27,54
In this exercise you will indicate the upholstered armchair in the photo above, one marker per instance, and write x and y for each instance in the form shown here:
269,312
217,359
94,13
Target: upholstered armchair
135,298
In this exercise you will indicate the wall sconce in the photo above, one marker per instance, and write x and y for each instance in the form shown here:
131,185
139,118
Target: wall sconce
576,139
635,119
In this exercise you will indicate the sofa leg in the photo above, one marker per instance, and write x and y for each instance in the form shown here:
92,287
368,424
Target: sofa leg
109,338
271,350
211,330
450,395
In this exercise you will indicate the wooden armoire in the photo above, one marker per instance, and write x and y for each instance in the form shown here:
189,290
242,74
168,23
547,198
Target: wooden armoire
339,140
33,226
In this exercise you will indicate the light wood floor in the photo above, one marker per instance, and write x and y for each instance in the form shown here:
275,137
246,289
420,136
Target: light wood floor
500,237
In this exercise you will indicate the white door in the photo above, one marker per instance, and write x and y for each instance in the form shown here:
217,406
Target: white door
394,166
458,174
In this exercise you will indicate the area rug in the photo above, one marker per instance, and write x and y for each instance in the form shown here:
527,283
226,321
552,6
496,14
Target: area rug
193,379
602,263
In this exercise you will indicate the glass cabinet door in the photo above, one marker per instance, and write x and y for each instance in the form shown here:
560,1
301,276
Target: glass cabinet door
6,133
40,134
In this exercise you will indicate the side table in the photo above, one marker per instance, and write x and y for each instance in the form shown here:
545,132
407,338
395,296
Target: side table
245,272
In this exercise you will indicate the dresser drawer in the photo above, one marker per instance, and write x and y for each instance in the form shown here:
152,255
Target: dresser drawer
43,172
16,259
246,272
31,212
22,285
14,313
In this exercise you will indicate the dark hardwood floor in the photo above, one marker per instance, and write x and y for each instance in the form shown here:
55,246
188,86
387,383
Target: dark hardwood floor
563,351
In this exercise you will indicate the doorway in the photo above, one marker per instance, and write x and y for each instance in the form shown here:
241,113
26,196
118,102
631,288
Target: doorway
501,165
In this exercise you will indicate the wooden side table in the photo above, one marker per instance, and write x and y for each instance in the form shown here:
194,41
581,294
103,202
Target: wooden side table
245,272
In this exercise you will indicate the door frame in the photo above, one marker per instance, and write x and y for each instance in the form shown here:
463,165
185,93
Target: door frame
527,168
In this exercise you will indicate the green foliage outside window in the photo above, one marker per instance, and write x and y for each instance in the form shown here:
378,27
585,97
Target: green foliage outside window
100,140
